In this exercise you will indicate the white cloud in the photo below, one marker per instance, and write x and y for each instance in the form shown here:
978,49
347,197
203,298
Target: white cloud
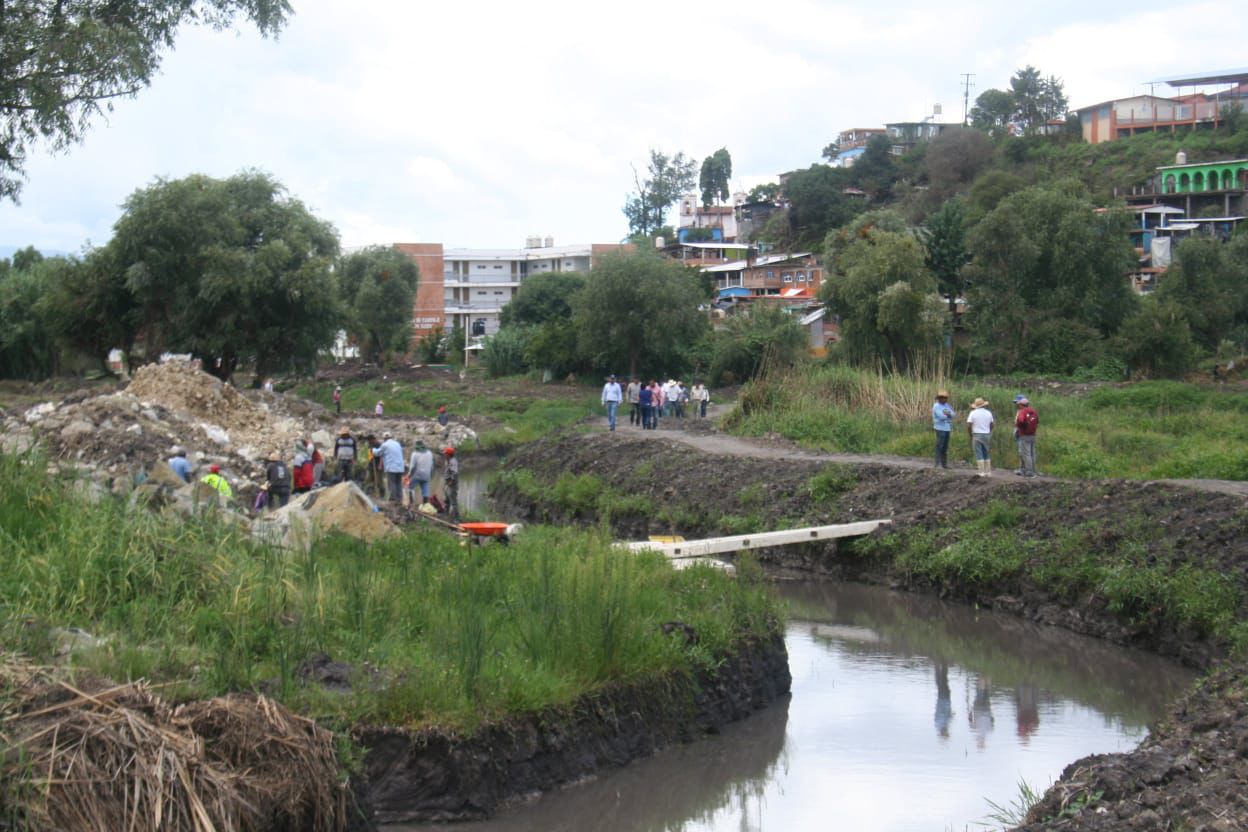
478,124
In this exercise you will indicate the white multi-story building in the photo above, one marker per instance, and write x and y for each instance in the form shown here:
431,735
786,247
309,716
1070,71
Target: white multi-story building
470,286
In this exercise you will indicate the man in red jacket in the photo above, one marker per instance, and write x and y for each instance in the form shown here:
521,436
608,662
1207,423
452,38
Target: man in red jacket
1025,423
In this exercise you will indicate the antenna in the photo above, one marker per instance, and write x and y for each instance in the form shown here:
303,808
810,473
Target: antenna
966,94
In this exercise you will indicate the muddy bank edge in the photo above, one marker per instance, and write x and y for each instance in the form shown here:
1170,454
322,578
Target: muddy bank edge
430,775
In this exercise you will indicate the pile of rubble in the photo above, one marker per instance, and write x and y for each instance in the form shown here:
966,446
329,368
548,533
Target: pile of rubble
122,439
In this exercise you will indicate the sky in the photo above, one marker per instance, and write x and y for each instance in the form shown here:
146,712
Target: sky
480,124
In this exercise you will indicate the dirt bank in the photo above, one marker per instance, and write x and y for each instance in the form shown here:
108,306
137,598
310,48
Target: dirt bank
655,485
432,776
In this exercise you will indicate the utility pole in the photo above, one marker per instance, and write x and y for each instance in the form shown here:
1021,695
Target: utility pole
966,94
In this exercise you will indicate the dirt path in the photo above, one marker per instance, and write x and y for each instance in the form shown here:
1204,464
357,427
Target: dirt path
699,434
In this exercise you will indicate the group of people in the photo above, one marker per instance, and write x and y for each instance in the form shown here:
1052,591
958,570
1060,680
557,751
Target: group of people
390,475
979,428
649,402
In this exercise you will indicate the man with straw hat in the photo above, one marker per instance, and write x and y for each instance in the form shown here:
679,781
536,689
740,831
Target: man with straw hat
979,428
344,454
942,422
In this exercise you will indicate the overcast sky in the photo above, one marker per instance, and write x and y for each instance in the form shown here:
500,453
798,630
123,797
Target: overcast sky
478,124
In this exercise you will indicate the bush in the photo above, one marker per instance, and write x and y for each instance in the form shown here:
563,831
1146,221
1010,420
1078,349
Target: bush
504,352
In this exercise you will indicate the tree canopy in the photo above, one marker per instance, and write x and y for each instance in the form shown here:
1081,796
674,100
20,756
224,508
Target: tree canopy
1030,102
716,172
63,61
667,178
378,285
227,268
1047,279
638,312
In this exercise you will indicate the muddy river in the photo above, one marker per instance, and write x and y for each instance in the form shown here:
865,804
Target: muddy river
906,714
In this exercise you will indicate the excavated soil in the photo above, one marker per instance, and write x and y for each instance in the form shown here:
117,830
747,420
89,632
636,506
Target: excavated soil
1192,772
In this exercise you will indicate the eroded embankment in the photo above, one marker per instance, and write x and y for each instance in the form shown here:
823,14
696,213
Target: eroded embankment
1148,565
430,775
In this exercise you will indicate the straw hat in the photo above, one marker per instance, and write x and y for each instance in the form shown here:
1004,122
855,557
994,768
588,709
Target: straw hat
344,430
942,394
979,403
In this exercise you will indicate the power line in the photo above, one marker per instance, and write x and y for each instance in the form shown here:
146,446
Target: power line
966,94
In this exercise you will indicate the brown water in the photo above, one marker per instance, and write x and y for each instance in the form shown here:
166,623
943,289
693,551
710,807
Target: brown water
906,714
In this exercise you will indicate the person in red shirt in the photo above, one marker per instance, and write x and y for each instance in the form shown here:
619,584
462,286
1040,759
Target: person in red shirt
1025,423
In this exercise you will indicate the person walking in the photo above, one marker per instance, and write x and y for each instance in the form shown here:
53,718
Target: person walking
701,398
344,455
1025,423
645,404
942,422
277,481
611,398
450,483
338,400
420,471
656,405
179,463
391,454
979,427
380,408
634,401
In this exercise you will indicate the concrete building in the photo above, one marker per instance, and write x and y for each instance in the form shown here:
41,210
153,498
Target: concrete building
1121,117
718,221
470,286
768,276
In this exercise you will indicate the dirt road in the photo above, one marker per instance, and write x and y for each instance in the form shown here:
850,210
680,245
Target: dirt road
701,435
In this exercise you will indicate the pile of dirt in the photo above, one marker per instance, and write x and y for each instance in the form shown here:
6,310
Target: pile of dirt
95,755
342,508
221,411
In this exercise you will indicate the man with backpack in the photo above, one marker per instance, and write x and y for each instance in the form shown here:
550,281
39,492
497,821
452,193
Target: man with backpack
1025,424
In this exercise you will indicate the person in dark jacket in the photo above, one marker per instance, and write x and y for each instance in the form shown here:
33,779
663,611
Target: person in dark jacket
277,478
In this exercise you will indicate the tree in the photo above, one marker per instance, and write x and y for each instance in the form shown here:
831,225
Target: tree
1036,99
766,192
817,203
1156,339
876,169
945,242
993,111
63,61
831,150
543,297
1045,257
954,159
377,286
766,336
639,311
231,269
669,177
716,171
28,347
886,298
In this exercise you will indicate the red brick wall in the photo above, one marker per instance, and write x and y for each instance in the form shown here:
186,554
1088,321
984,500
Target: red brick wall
429,309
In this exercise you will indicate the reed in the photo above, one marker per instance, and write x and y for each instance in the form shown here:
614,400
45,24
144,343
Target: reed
433,633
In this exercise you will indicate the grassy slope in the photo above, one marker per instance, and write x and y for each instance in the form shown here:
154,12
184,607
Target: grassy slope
1149,430
436,634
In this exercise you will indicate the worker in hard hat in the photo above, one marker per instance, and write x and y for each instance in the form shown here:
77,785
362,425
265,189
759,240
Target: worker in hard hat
218,483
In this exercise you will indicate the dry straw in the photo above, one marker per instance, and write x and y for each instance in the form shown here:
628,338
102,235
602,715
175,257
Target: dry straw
100,756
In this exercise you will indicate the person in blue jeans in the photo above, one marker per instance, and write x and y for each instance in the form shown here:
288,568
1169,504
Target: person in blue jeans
612,395
942,423
645,398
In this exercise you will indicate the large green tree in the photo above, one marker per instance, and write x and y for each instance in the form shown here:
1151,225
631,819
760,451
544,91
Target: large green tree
1047,280
667,177
639,312
378,285
817,204
543,306
944,238
1208,281
231,269
713,181
63,61
885,296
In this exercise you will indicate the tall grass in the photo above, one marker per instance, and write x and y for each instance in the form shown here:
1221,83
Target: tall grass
1149,430
435,633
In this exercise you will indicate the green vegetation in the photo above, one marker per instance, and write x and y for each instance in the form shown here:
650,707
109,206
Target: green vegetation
986,550
521,416
436,633
1148,430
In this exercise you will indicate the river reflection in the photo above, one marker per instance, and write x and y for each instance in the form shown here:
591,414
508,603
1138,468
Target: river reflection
906,714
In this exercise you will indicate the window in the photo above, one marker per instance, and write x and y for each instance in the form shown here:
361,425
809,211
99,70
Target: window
498,265
801,277
788,277
498,292
771,274
478,326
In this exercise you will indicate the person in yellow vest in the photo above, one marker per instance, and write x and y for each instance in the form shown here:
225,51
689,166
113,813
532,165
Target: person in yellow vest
214,480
